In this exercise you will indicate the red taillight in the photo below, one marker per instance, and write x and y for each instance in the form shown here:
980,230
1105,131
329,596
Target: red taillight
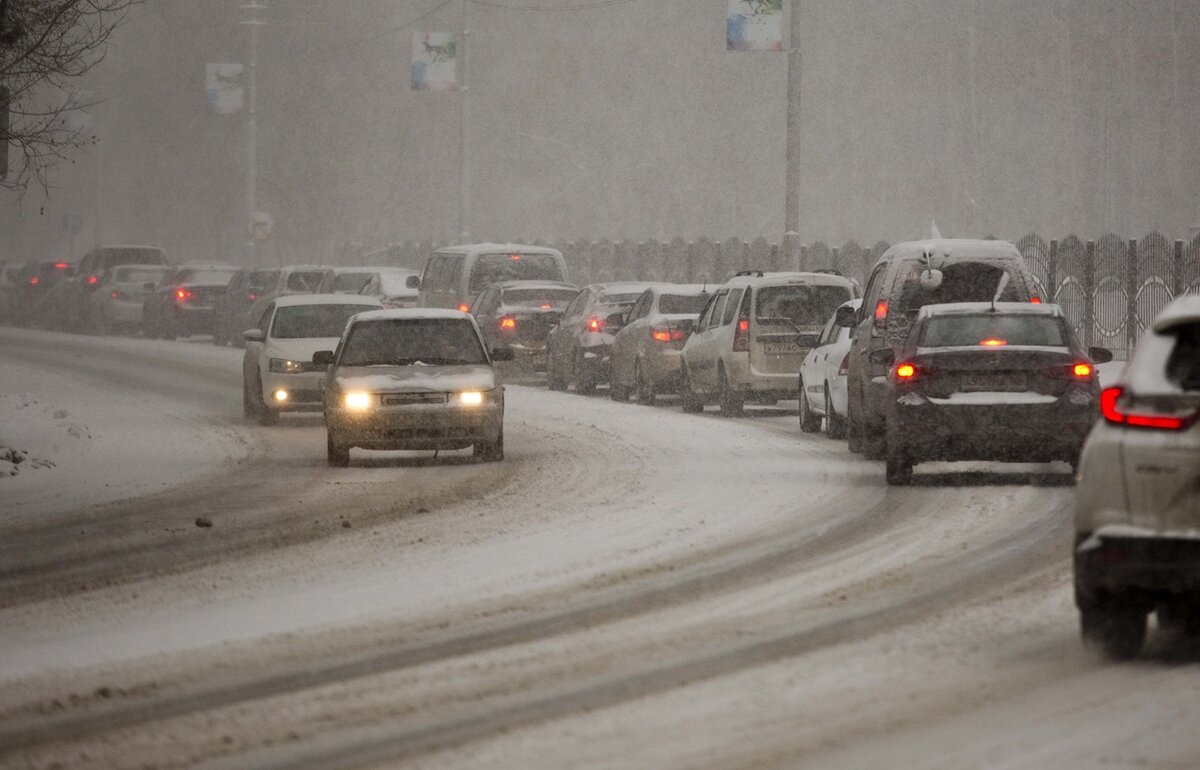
667,334
115,294
881,311
463,308
34,281
743,325
595,324
906,371
992,342
92,280
741,336
508,322
61,265
183,295
1082,370
546,307
252,297
1035,300
515,257
844,368
1114,412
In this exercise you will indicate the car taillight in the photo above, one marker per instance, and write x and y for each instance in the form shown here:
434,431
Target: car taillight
741,336
844,368
61,265
546,307
1082,370
1116,412
252,297
1035,300
508,323
595,324
881,311
183,295
34,281
667,334
992,342
92,279
116,295
905,371
463,308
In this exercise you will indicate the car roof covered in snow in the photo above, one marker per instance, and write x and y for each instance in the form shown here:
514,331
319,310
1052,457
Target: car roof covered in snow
291,300
967,248
1184,310
410,313
535,284
784,278
975,308
498,248
686,289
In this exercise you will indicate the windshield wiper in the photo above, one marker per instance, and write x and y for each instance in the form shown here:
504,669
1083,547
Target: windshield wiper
782,319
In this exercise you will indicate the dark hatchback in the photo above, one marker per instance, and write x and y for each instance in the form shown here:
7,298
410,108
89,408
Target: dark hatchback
182,304
1002,381
27,295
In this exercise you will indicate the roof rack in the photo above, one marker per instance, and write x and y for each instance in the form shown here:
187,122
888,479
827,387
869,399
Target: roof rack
755,273
828,271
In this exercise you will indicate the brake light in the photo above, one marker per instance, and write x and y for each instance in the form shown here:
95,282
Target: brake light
595,324
34,281
1114,412
183,295
252,297
1082,370
463,308
906,371
1035,300
546,307
508,322
92,280
992,342
667,334
515,257
844,368
741,336
881,311
115,294
61,265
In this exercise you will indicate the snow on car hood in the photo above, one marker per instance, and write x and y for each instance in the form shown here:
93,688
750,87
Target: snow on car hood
299,349
411,379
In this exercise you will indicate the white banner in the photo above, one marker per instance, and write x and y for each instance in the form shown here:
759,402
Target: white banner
225,85
435,55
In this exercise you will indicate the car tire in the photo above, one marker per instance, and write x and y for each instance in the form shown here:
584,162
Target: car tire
1116,629
874,445
688,400
585,384
618,393
835,424
644,392
899,466
732,403
490,451
810,422
249,403
264,414
854,437
554,380
337,455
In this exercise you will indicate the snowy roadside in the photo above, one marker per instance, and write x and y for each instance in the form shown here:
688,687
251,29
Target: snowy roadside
65,443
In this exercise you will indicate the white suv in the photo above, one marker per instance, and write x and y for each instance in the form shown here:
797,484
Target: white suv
1137,506
753,335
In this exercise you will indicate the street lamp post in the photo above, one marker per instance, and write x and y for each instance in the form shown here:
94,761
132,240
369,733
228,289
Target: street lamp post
791,197
254,22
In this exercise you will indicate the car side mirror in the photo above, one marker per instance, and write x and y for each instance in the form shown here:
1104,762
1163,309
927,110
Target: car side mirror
1100,355
253,335
882,356
323,358
846,317
149,285
412,282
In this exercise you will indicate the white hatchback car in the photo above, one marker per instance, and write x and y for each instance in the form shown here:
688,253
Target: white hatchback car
1137,503
278,374
823,379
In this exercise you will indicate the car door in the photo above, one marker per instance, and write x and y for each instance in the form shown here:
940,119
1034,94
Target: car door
701,350
866,335
561,338
814,371
484,310
626,343
253,357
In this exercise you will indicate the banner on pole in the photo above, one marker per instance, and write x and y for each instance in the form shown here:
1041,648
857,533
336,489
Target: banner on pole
225,85
435,55
754,25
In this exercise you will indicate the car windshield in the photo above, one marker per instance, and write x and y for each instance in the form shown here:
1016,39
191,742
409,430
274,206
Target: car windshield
350,283
413,342
305,321
555,298
802,305
264,278
305,280
681,304
204,275
138,275
993,330
494,268
1183,365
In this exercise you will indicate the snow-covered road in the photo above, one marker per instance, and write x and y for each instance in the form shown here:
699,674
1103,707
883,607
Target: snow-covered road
631,587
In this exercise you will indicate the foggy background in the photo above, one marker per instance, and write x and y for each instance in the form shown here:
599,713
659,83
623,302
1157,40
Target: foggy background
632,121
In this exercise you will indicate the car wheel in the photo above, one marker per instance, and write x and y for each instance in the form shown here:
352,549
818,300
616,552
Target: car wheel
1117,630
835,424
643,387
732,402
809,421
336,455
585,384
899,466
554,380
688,399
169,332
854,436
265,414
100,324
249,403
490,451
619,393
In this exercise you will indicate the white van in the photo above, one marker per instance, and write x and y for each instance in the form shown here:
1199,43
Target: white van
455,275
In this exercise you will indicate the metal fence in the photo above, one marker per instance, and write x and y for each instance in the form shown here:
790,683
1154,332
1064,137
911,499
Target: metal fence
1110,288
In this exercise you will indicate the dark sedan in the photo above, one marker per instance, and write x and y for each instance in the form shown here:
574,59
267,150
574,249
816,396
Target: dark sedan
518,316
988,381
182,304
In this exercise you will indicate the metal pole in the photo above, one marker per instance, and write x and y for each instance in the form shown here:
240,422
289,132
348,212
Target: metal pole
464,181
791,201
254,22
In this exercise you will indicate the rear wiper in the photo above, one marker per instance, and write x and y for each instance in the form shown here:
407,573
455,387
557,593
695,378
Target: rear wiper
782,319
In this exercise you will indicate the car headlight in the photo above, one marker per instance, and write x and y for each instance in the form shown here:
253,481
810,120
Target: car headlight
473,398
357,400
284,366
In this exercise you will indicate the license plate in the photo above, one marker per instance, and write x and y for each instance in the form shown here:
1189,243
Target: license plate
780,348
1002,383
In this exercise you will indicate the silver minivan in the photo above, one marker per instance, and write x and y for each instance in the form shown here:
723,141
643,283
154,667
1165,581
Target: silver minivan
455,275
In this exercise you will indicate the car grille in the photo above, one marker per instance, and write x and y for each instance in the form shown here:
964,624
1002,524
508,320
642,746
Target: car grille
403,399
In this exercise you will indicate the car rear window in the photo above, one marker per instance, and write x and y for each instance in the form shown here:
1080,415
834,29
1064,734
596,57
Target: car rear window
993,329
1183,365
213,277
306,281
802,305
350,283
264,278
113,257
964,281
412,341
681,304
138,275
494,268
556,298
623,298
306,321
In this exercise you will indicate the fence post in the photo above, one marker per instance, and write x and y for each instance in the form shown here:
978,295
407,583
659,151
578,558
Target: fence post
1089,293
803,258
1177,270
1052,269
1131,295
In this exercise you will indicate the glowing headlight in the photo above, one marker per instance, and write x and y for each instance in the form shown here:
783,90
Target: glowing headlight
284,366
281,395
357,400
470,398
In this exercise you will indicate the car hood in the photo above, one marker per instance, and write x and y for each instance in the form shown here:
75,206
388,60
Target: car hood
415,379
299,349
